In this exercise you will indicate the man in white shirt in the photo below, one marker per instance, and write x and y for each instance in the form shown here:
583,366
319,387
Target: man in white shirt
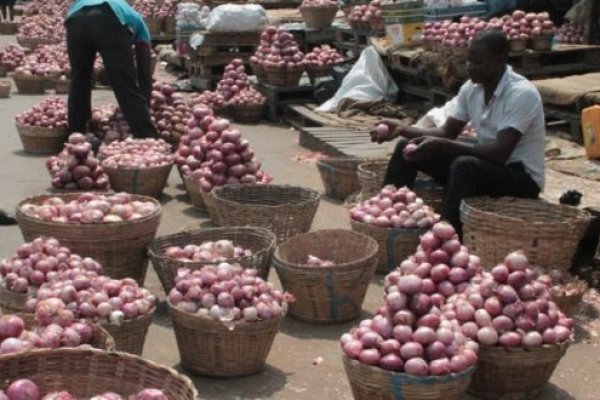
505,110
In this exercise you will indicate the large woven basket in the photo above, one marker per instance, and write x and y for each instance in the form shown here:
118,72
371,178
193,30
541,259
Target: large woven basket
247,114
541,43
62,86
211,206
120,247
283,77
208,347
395,245
549,234
169,25
373,383
327,294
193,191
339,176
41,140
5,88
370,175
30,84
130,336
88,372
155,25
314,73
144,181
569,303
12,302
260,240
285,210
504,373
318,17
259,72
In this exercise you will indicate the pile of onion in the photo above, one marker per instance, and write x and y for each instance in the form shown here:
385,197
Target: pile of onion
458,34
522,26
136,154
11,56
92,297
51,54
214,100
247,97
26,389
50,113
234,79
76,167
146,8
571,32
368,13
561,284
314,261
278,50
168,8
40,261
109,124
227,292
323,57
395,208
509,307
90,208
43,26
169,112
214,252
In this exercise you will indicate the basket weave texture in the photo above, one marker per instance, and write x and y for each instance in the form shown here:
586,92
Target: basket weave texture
193,191
514,373
144,181
211,206
5,88
61,86
282,77
373,383
30,84
370,175
120,247
395,245
155,25
130,336
42,140
87,373
247,114
210,348
339,176
12,302
259,240
285,210
314,73
327,294
318,17
548,233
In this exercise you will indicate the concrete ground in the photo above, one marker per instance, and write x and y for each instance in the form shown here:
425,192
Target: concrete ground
290,373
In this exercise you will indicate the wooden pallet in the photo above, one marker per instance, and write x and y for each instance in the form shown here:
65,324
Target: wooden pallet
341,142
348,40
304,115
563,59
279,97
568,115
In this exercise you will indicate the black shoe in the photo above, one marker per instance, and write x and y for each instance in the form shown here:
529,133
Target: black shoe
7,219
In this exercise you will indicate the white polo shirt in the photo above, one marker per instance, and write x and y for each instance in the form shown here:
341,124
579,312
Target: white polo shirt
515,104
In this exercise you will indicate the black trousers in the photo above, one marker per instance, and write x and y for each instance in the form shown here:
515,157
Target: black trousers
96,29
462,177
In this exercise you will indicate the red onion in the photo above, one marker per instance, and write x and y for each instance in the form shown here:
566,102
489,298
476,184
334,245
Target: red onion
487,336
23,389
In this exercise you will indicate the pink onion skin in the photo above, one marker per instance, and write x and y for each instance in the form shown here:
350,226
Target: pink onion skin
417,367
23,389
369,357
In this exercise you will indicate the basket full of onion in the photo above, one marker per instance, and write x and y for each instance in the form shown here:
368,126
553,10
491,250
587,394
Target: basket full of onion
138,166
247,106
43,128
226,324
318,14
339,176
251,247
114,229
278,58
70,374
328,272
548,233
395,218
320,61
285,210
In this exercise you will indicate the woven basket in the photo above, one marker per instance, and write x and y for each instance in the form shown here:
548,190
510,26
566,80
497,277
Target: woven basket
261,241
88,372
518,46
211,207
283,77
61,86
30,84
339,176
41,140
373,383
143,181
314,73
5,88
370,175
541,43
11,302
548,233
327,294
210,348
130,336
4,71
32,43
285,210
430,191
193,191
120,247
9,28
155,25
169,25
318,17
514,373
247,114
395,245
259,72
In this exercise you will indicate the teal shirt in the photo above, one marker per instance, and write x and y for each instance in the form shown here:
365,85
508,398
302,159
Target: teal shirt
127,15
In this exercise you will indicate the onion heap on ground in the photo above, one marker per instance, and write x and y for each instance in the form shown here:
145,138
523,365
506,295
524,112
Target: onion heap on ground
45,26
169,112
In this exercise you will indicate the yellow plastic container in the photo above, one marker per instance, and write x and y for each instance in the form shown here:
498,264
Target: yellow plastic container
590,124
404,35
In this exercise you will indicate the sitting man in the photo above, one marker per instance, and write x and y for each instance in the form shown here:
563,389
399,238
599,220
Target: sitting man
505,110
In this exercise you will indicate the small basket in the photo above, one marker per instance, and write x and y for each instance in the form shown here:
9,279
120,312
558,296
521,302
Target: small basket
285,210
169,25
247,114
259,240
259,72
193,191
155,25
371,175
514,373
144,181
549,234
211,207
30,84
283,77
61,86
318,17
41,140
89,372
541,43
518,46
314,73
327,294
120,247
5,88
12,302
339,176
374,383
130,336
208,347
395,245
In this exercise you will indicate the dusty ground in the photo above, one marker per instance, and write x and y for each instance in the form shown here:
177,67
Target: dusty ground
290,373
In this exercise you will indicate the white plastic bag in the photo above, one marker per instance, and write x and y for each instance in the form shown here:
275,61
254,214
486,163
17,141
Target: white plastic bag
237,18
368,80
437,116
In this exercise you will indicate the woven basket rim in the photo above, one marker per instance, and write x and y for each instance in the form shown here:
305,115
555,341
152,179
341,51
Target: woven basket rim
22,77
328,6
149,314
278,261
375,227
209,320
315,196
558,347
22,216
41,128
119,169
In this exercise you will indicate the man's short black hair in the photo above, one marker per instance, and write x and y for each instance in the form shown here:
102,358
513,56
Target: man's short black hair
494,41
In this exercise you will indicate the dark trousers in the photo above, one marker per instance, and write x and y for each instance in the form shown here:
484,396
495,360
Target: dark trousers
462,177
96,29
